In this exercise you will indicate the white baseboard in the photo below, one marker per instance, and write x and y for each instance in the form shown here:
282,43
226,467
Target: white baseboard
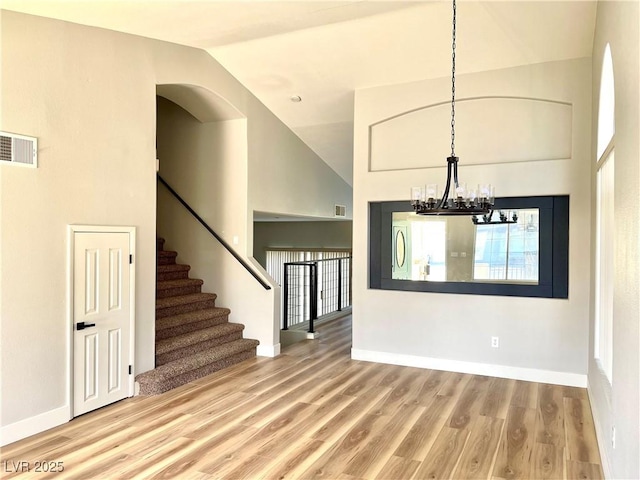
604,459
502,371
268,350
32,425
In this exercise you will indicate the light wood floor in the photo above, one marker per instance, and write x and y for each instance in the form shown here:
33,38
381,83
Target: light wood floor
315,413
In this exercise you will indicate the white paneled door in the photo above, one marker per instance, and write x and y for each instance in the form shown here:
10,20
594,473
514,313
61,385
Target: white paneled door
101,319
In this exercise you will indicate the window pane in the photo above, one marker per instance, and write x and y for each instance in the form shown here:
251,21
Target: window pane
524,247
509,251
490,259
604,266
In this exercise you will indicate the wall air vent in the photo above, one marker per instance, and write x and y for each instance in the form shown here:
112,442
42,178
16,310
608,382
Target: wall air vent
341,211
18,149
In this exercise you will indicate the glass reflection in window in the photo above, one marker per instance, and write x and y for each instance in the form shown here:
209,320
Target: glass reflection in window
453,249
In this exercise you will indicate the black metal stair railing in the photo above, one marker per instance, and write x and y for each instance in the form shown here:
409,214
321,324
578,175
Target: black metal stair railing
315,286
214,234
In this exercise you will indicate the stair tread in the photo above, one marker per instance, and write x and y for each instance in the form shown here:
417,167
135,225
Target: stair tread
191,317
166,254
181,282
183,299
173,267
198,360
191,338
158,385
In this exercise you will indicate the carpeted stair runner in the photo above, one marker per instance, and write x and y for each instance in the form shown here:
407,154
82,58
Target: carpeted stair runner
194,338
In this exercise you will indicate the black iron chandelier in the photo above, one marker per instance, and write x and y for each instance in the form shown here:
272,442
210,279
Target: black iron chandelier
464,201
487,219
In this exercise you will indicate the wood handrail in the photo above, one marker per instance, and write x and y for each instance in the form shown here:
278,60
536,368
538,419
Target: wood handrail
215,235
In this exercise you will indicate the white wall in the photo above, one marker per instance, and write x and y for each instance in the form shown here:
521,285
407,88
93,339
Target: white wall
268,235
618,405
540,339
89,96
285,178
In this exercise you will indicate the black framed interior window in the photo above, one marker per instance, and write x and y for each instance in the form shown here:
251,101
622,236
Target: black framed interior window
451,254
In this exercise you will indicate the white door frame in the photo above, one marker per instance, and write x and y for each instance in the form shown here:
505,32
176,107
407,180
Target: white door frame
71,231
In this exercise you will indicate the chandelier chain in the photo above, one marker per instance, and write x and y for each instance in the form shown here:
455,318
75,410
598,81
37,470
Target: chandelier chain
426,201
453,83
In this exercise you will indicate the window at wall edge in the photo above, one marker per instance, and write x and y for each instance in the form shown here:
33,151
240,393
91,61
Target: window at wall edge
605,190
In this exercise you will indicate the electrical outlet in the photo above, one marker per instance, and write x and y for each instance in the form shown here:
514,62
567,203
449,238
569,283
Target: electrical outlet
613,437
495,342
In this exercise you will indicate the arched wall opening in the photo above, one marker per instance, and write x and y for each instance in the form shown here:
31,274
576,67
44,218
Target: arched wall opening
201,148
202,151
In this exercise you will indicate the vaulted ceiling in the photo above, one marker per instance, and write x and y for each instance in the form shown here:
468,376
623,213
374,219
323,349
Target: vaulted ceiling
322,51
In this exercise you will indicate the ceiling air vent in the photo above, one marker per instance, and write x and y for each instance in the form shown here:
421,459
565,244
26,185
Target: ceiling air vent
341,211
18,149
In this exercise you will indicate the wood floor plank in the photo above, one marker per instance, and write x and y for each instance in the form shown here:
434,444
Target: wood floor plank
548,462
313,412
402,393
454,384
582,445
298,458
550,424
112,466
197,457
525,394
250,468
477,457
220,417
223,460
575,392
584,471
372,376
325,389
432,384
63,451
374,455
343,420
398,468
470,403
336,460
162,457
39,447
292,374
444,454
497,398
319,415
516,446
73,457
421,436
281,424
272,406
393,376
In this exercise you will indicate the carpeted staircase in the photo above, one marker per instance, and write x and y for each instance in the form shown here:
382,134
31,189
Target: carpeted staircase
193,337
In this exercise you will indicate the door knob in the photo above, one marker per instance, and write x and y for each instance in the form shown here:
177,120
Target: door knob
82,325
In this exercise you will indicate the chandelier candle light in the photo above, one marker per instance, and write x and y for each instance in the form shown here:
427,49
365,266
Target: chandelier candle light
464,201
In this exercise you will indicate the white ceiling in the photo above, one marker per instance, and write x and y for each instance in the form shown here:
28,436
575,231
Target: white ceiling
324,50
